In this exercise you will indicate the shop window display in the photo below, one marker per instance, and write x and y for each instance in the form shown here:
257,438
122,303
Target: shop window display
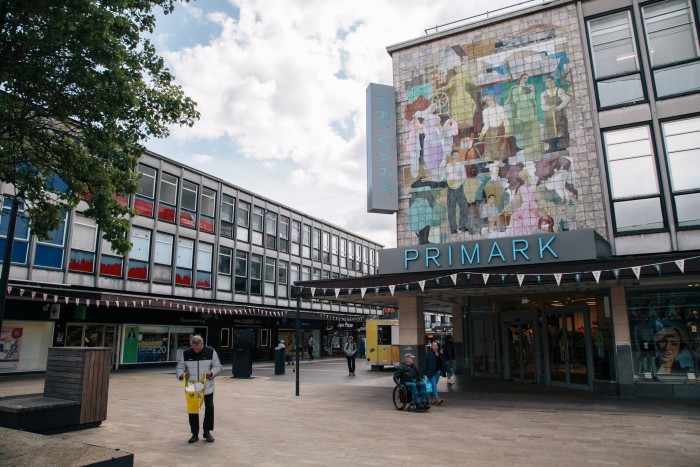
664,334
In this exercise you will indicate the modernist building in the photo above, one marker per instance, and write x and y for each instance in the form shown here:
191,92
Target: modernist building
207,257
547,194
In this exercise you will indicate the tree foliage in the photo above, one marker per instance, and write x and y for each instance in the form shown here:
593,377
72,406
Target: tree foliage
81,87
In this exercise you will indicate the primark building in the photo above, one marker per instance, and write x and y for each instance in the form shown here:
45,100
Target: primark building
541,164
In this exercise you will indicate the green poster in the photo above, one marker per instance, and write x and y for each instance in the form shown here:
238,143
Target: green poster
131,344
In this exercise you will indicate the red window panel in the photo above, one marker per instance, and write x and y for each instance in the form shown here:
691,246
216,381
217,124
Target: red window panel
187,220
206,225
111,267
183,279
166,214
123,200
202,284
138,273
143,207
81,264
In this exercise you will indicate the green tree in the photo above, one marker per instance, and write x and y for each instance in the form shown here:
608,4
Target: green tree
81,87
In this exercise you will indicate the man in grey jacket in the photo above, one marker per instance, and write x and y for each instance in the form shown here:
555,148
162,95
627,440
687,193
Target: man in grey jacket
197,363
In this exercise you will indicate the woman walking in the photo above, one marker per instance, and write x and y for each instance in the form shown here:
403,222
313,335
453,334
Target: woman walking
350,350
433,366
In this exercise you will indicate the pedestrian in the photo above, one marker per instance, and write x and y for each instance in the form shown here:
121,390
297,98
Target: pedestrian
350,350
310,347
448,359
361,347
433,367
407,374
200,363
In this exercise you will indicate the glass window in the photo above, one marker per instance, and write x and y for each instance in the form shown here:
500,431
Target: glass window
168,189
143,201
306,241
140,244
293,273
228,204
207,212
111,264
317,245
343,253
326,248
185,257
334,250
189,195
296,237
663,332
208,201
241,272
258,225
243,221
140,254
682,142
615,60
147,184
270,276
83,244
164,249
282,279
271,231
672,39
167,197
284,234
204,260
305,273
223,281
163,258
365,259
633,179
256,274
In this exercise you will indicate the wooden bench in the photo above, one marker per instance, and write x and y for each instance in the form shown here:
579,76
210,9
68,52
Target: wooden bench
75,394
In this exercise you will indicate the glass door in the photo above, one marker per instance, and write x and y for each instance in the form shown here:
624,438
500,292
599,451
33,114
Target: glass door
568,348
520,350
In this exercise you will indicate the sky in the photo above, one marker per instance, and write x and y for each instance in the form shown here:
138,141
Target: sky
280,86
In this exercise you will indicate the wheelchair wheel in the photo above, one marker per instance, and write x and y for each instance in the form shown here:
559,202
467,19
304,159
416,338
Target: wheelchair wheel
400,397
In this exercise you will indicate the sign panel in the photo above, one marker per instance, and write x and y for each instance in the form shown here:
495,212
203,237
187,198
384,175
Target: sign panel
558,247
382,180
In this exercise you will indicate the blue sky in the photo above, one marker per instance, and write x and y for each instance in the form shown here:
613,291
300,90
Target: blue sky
280,85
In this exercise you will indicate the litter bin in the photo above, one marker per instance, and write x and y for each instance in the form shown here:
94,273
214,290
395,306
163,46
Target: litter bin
279,361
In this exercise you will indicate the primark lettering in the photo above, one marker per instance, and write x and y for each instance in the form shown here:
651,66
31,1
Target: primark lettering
514,251
432,255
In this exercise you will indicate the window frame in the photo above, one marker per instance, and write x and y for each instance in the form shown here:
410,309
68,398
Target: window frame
609,78
621,199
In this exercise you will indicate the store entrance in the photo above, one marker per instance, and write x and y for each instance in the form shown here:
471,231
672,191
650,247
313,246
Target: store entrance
568,352
520,349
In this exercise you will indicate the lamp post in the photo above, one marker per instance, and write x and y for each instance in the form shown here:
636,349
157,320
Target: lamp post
5,275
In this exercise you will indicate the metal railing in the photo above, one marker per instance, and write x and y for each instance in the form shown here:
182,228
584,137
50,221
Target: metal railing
488,14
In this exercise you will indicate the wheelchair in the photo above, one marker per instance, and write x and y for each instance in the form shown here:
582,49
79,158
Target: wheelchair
402,396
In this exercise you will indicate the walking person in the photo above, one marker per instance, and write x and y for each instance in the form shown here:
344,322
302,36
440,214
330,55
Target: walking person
448,360
350,350
310,347
433,366
200,363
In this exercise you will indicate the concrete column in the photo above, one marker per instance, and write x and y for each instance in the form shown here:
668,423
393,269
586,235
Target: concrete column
412,328
459,340
623,349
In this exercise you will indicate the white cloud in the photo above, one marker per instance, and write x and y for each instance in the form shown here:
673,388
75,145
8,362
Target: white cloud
285,81
202,158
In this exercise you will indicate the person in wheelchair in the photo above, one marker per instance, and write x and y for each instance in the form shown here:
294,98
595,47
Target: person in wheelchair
408,375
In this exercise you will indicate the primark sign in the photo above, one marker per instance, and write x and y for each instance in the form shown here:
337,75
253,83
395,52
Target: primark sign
562,247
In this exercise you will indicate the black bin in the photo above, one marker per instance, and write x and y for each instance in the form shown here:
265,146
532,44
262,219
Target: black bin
243,340
279,361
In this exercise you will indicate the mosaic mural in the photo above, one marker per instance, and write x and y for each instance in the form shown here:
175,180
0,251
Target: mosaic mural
486,137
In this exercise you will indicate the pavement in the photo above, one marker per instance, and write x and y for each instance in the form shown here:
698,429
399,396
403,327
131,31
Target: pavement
340,420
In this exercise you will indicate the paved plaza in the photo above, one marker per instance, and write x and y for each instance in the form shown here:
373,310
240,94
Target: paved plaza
344,420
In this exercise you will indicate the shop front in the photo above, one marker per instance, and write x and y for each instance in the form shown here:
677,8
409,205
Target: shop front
335,336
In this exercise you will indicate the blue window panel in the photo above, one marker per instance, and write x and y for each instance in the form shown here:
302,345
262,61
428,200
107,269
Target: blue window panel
48,257
19,251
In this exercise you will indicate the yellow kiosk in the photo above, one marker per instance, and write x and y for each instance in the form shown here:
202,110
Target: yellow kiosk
383,343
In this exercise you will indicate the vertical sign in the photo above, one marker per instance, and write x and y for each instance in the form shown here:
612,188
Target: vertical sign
382,181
